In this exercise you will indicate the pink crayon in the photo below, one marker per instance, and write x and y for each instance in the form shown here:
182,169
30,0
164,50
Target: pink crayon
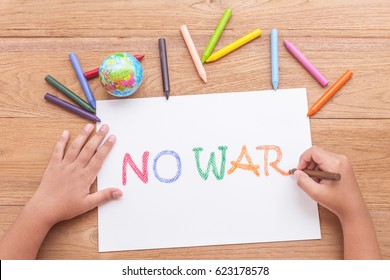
306,63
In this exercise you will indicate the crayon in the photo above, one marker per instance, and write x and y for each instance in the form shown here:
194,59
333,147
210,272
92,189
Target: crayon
274,59
216,35
71,108
319,174
164,66
83,81
235,45
329,93
194,54
69,93
306,63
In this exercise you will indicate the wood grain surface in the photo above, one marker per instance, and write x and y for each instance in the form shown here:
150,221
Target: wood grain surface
36,37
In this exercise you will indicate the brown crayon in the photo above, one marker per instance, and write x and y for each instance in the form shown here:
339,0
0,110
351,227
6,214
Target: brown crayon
320,174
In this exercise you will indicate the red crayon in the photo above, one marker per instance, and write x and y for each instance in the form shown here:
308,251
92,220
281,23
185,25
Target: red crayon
95,72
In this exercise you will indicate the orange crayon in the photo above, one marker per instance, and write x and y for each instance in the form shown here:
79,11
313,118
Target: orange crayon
329,93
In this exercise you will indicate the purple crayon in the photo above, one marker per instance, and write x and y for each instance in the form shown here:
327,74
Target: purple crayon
70,107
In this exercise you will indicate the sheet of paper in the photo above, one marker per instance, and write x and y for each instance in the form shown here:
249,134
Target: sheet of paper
206,170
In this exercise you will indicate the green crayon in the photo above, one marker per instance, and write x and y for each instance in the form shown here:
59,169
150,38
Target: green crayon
69,93
217,33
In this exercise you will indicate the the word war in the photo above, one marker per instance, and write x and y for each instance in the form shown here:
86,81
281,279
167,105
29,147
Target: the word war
240,163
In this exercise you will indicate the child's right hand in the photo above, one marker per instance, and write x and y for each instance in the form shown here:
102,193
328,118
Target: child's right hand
341,197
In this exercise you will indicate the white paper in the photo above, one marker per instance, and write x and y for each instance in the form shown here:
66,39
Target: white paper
188,210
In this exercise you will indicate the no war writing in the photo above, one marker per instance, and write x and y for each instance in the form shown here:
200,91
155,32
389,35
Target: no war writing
143,174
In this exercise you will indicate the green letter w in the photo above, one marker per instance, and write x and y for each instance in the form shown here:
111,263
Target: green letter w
211,163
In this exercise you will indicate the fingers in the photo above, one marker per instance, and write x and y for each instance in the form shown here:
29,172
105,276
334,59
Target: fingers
312,188
59,149
97,160
316,156
90,148
306,158
75,148
309,165
98,198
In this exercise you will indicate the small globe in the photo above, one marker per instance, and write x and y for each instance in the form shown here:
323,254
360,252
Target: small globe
121,74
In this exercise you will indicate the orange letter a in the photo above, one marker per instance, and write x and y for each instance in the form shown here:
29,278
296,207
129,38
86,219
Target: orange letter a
250,166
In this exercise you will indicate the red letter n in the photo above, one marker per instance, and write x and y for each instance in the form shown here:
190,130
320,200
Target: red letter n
142,175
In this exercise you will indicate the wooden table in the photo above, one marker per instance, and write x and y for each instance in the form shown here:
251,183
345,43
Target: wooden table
36,37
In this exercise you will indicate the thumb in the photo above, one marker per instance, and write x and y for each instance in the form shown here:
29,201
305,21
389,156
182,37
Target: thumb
307,184
103,196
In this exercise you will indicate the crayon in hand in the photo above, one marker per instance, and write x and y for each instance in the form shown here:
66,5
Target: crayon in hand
319,174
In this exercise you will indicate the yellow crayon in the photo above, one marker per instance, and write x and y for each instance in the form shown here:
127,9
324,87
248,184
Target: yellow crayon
235,45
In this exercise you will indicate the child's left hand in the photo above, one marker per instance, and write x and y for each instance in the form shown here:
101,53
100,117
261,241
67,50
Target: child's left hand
64,191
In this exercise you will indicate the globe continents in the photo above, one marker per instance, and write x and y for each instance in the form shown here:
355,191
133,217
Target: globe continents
121,74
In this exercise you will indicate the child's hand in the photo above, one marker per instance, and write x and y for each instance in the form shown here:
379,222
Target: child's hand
64,192
341,197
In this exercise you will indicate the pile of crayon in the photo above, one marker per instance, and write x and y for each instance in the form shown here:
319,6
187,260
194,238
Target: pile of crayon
85,109
208,56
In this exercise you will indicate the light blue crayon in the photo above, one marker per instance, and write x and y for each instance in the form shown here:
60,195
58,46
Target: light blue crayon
274,58
83,81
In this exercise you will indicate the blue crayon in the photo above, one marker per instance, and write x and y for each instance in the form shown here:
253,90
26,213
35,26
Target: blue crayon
274,58
83,81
